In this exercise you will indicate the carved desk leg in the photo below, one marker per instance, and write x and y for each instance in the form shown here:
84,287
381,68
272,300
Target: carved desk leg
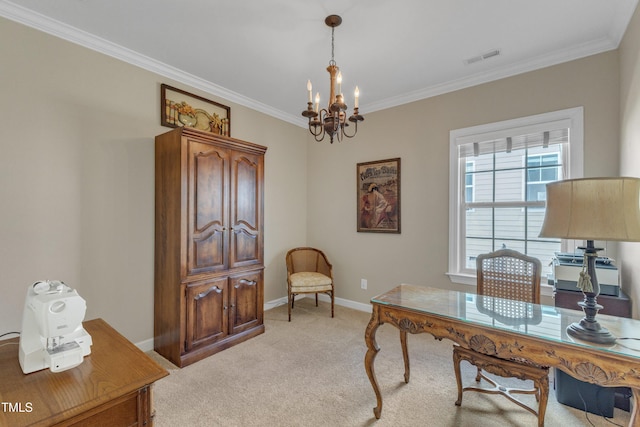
405,355
372,346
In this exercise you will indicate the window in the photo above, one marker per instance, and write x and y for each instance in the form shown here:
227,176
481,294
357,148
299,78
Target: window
498,183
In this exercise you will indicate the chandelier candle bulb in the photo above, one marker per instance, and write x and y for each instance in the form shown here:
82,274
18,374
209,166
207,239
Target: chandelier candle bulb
309,89
356,94
317,101
339,83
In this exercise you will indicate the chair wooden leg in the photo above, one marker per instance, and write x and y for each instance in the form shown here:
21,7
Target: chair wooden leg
316,299
478,375
332,297
504,368
290,305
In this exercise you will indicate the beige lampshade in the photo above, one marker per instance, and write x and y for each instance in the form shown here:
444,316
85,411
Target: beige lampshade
593,209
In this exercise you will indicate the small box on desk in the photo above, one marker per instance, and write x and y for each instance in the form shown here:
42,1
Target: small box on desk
567,267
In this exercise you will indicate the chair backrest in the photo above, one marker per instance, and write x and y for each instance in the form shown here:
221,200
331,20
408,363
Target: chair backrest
509,274
308,259
513,277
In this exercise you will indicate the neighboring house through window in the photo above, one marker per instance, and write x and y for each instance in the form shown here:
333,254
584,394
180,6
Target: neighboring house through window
468,182
498,183
541,170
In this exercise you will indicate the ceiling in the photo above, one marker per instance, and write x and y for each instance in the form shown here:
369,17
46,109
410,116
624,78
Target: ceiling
260,53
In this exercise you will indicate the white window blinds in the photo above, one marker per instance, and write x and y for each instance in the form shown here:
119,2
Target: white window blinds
513,139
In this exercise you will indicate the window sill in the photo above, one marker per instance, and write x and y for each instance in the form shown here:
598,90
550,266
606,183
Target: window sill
546,290
463,279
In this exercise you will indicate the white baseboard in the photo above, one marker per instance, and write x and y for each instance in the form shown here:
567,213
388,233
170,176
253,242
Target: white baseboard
275,303
322,297
147,345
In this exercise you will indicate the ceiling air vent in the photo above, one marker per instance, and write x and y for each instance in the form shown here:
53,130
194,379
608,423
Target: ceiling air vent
490,54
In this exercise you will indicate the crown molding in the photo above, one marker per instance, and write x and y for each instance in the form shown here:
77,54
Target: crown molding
543,61
622,21
58,29
66,32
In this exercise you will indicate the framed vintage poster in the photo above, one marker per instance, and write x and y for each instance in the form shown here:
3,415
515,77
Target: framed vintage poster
379,196
180,108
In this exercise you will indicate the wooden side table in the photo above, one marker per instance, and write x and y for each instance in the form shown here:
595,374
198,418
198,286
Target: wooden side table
616,306
112,386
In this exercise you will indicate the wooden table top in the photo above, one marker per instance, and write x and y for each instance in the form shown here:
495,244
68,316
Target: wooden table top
114,368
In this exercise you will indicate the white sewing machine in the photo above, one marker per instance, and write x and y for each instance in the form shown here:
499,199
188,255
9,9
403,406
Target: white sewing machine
52,334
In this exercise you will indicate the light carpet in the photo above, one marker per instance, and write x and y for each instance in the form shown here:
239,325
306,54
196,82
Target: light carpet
310,372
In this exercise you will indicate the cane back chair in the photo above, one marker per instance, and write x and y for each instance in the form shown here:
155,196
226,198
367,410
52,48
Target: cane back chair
508,288
308,272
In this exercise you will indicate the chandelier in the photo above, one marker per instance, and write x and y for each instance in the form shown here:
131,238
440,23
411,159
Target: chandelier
332,121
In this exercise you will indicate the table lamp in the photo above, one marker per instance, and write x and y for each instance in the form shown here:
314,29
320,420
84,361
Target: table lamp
592,209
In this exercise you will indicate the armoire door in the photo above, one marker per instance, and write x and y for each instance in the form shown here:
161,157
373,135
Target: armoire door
246,301
207,312
207,212
246,209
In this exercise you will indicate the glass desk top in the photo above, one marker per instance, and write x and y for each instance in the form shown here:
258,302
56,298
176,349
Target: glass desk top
551,325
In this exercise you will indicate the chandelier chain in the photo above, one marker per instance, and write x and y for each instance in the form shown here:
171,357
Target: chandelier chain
333,62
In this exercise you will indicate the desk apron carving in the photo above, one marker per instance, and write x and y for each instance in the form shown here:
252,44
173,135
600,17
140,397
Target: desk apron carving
595,366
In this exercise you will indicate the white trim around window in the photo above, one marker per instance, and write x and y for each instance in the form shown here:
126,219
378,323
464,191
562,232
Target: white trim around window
572,118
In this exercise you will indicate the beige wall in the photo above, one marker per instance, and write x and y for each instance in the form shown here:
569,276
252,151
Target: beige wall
630,143
76,168
77,179
418,133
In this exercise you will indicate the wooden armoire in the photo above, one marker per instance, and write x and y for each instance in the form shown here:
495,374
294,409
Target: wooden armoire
209,256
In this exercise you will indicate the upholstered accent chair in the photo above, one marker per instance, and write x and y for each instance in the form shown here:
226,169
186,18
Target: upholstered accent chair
308,272
508,288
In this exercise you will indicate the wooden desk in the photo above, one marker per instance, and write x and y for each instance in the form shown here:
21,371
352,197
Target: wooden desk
452,315
112,386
